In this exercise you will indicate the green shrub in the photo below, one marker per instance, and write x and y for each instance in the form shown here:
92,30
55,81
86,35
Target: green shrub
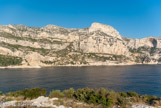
122,101
123,94
145,98
113,95
101,97
103,92
95,96
28,93
56,93
109,102
69,93
149,99
84,94
132,94
92,99
1,93
102,100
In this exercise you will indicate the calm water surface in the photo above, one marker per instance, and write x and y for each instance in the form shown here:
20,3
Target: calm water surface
144,79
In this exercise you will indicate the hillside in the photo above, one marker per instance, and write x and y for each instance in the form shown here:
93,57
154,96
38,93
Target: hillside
53,45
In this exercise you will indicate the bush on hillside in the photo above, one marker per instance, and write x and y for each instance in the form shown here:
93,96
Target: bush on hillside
1,93
29,93
102,96
9,60
56,93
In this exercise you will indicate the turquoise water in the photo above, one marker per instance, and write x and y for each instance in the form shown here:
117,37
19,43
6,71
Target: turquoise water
144,79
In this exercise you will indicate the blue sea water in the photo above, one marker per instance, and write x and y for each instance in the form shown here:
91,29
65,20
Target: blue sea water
143,79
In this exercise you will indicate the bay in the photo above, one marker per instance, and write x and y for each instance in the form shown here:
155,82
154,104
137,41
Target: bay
143,79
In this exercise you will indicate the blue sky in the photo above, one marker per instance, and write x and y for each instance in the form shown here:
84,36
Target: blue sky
132,18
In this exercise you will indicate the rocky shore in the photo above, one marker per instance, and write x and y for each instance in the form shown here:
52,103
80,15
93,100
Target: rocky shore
80,98
39,102
47,102
121,64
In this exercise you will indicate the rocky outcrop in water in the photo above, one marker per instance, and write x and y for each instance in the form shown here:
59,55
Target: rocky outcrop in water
53,45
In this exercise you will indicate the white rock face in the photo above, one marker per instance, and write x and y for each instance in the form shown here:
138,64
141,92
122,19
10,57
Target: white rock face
99,45
39,102
136,43
105,28
45,102
33,59
95,44
141,106
104,39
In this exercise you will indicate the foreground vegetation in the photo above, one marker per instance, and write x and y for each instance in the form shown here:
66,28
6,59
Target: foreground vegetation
98,97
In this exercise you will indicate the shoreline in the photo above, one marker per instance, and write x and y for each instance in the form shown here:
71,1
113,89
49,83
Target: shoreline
47,66
92,98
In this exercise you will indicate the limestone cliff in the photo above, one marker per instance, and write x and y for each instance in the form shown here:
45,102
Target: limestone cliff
53,45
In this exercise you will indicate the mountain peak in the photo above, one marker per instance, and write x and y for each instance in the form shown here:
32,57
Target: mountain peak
50,26
104,28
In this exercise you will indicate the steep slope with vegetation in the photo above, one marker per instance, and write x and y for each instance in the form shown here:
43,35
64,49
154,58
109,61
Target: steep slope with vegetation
53,45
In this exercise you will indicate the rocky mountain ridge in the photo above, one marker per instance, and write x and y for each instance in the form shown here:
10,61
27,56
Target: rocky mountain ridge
52,45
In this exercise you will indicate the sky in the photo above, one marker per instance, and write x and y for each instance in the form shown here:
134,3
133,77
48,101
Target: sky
132,18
